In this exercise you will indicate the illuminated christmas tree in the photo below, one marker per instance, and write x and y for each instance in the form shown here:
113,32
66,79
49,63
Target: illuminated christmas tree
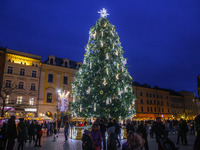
103,86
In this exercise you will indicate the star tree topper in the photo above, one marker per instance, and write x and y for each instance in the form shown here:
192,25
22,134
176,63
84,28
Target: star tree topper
103,13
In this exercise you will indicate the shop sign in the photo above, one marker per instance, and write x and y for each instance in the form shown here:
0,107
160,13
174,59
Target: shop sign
31,109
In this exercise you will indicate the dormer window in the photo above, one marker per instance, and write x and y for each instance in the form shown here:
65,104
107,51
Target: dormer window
66,64
51,61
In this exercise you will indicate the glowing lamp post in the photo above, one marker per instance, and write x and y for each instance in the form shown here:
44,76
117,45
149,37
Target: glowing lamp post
63,102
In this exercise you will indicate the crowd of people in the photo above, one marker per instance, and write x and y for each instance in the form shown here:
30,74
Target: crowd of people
104,134
26,131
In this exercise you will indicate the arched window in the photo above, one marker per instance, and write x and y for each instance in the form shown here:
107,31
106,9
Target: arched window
51,61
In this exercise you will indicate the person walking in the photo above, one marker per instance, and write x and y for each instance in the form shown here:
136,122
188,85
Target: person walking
87,143
39,133
4,136
66,130
142,130
96,137
11,133
179,135
32,132
184,129
161,138
21,129
103,131
117,131
197,127
112,139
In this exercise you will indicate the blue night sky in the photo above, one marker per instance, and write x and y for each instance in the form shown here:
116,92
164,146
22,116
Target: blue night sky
161,37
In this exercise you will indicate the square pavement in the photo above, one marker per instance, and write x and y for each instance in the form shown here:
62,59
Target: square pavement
48,143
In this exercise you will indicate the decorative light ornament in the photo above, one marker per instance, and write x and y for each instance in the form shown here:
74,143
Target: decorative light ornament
107,101
88,91
119,92
125,61
80,107
103,13
94,35
90,65
117,76
116,53
105,24
113,46
107,71
117,66
112,33
104,81
101,44
122,68
101,33
101,92
130,107
95,106
107,56
126,89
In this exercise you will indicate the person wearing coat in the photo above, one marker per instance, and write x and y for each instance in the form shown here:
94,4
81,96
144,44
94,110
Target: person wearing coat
96,137
11,133
142,129
197,140
21,129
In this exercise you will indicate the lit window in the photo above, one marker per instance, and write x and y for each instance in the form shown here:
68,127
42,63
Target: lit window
22,72
65,80
32,101
34,74
49,97
33,87
7,99
50,78
8,83
21,85
10,70
19,99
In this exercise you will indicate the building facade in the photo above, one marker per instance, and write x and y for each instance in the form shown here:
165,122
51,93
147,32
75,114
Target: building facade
56,75
21,70
166,103
151,103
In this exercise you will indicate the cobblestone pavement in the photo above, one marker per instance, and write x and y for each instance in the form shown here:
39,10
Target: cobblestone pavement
48,143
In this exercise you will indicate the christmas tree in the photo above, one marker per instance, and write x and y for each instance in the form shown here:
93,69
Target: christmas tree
102,86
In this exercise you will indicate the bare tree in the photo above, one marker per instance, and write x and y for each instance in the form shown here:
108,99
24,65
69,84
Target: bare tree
6,90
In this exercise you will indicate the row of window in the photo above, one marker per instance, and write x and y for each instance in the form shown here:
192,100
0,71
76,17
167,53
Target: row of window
153,102
22,71
31,100
153,95
20,85
20,100
150,109
50,79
